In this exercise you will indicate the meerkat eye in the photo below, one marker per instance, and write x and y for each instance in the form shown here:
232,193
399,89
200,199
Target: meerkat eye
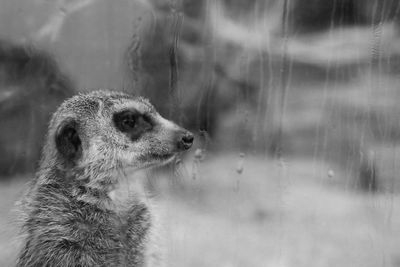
128,122
125,121
133,123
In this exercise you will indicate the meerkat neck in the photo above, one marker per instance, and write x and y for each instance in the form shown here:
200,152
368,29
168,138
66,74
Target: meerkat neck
114,190
130,189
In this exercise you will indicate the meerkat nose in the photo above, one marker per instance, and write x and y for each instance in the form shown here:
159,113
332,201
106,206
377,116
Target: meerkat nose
186,141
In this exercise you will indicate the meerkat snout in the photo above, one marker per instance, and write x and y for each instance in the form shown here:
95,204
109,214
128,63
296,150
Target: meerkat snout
185,141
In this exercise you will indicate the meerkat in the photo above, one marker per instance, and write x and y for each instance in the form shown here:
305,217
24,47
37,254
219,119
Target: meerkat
74,214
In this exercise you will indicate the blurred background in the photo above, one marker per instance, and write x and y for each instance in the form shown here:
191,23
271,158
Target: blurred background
294,104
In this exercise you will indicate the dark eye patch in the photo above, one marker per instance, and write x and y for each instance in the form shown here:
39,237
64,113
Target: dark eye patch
132,123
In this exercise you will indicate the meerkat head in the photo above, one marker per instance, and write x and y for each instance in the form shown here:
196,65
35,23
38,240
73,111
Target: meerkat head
106,130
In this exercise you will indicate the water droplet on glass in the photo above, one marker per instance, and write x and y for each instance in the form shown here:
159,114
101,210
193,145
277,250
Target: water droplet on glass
239,168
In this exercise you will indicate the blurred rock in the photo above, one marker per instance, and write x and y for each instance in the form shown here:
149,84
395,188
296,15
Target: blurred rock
308,16
31,87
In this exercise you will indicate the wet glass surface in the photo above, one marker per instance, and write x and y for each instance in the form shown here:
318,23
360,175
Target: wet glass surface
293,103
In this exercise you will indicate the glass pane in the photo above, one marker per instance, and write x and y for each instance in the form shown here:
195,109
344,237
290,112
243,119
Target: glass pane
293,105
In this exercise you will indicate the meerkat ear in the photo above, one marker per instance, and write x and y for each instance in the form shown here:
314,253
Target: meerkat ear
68,142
